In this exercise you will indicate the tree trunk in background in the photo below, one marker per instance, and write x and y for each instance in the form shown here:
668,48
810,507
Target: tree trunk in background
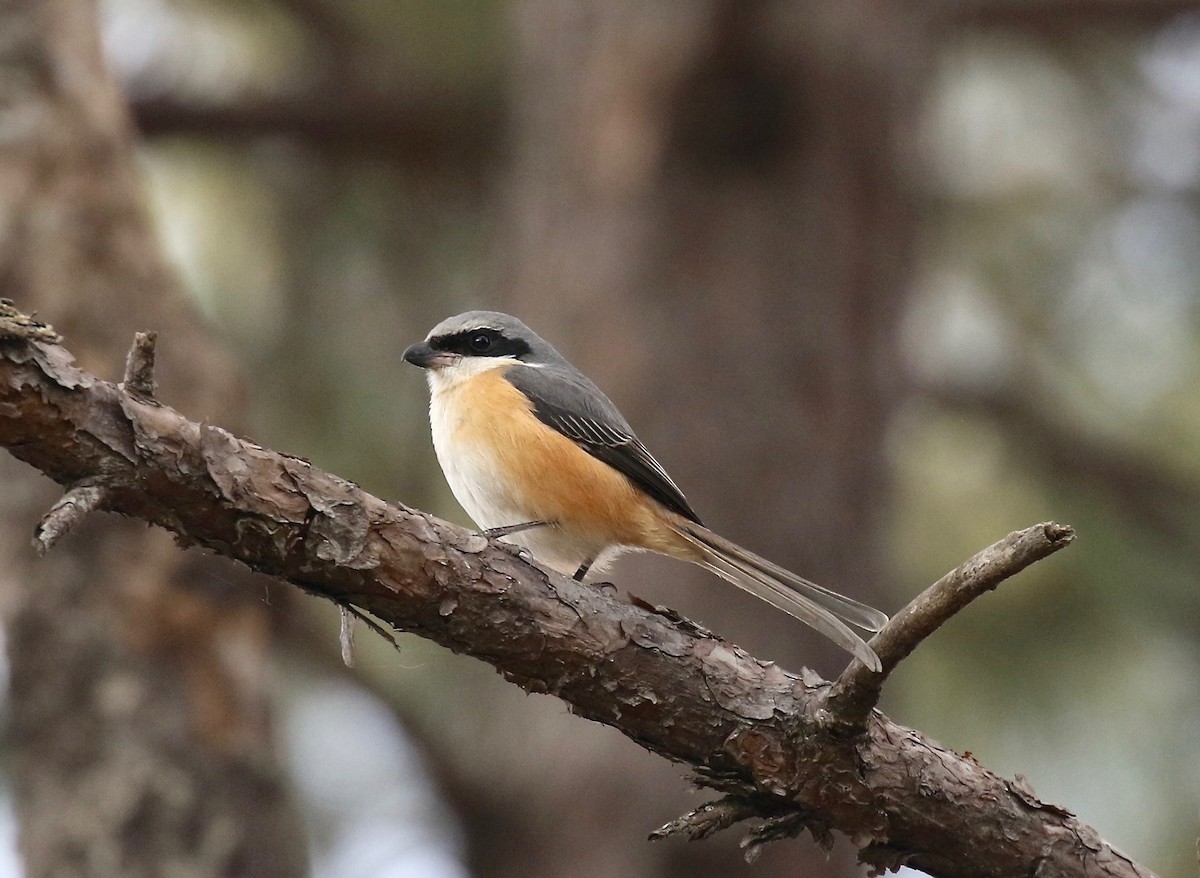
140,739
707,218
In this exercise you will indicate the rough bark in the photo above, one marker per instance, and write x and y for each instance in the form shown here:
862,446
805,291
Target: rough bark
781,746
139,733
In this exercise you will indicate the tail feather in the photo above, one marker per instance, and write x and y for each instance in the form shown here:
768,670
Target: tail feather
857,614
812,604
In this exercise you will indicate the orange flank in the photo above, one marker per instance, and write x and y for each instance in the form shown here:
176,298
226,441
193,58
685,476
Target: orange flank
560,481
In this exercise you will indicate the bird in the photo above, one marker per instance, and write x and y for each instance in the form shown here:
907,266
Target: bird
538,456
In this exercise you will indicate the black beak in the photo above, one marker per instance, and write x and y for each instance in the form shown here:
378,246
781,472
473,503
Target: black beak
421,354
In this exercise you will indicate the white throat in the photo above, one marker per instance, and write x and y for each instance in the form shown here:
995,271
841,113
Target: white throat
449,377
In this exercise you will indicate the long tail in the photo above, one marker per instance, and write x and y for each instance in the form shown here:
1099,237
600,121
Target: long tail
810,603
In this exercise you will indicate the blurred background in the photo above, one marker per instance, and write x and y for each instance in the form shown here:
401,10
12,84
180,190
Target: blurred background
878,282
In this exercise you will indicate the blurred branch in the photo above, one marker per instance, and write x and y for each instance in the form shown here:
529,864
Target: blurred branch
449,133
763,736
1058,16
349,100
326,24
1144,493
346,112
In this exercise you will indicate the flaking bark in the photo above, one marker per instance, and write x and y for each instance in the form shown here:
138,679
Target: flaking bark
769,739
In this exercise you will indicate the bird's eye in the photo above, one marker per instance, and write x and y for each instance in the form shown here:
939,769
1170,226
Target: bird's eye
481,343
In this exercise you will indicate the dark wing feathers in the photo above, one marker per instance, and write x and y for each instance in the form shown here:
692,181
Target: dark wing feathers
569,403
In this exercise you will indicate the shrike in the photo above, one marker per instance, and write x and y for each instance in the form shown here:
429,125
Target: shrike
536,454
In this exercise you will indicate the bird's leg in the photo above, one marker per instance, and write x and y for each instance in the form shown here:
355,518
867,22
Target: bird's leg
583,570
495,532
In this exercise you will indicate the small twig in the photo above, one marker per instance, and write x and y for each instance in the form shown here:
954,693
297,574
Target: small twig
856,691
71,508
346,636
345,607
139,366
781,819
778,828
15,324
373,625
708,818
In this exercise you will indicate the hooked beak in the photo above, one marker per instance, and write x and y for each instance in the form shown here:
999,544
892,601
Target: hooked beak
421,354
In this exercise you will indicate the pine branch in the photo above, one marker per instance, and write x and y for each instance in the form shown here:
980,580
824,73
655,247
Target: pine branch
782,747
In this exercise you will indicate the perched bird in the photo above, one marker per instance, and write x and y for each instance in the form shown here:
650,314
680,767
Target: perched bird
535,453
